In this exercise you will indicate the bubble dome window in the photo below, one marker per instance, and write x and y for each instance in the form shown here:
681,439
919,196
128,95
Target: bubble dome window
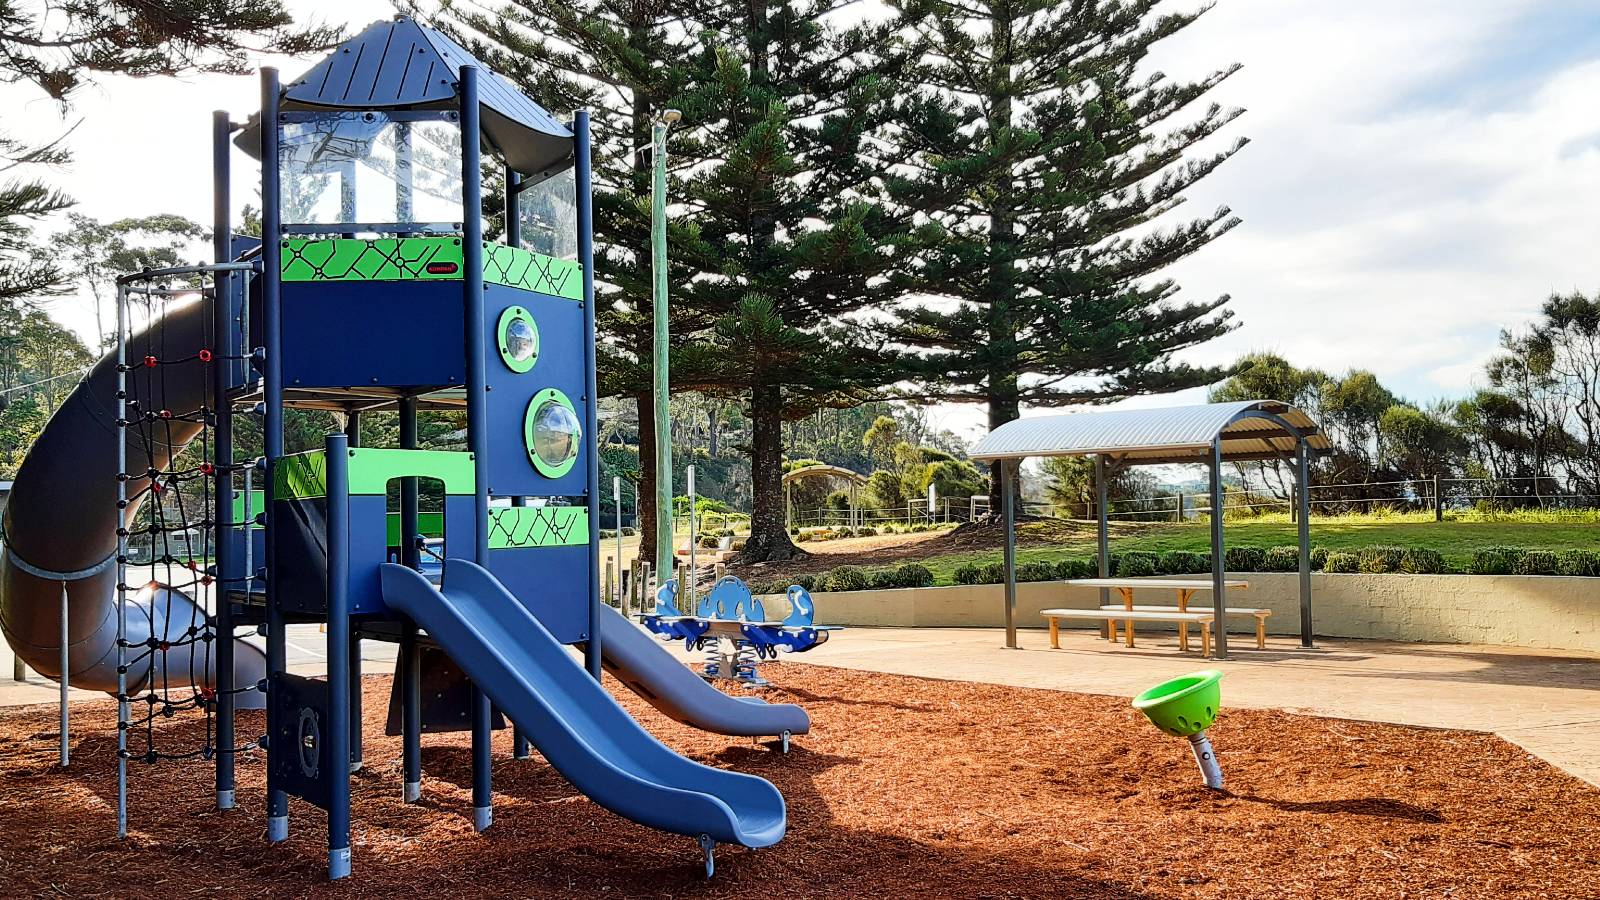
553,433
519,339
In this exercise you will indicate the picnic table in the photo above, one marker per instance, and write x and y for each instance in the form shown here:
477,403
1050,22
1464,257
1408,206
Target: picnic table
1186,588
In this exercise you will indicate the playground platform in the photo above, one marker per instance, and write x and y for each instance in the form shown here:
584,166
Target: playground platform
1547,702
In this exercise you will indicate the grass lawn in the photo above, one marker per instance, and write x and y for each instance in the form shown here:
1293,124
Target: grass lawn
1457,541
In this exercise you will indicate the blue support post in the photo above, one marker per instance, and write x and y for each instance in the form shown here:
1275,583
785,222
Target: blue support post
519,738
338,650
477,401
352,433
222,449
592,653
410,663
272,438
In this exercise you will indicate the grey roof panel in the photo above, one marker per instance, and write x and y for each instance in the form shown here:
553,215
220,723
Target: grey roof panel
1174,434
400,63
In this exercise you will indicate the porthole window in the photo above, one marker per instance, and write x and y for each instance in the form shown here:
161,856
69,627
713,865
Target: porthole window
553,433
519,339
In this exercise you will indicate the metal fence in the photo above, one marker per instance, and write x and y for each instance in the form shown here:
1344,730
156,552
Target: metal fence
1439,495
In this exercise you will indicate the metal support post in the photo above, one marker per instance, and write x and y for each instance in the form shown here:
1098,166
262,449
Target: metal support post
338,651
1219,598
272,439
222,450
1303,480
1009,504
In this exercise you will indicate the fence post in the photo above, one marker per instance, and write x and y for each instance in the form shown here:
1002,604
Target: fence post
1179,517
1438,501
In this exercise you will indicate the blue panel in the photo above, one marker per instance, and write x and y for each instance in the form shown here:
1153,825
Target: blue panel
552,582
368,550
560,365
373,333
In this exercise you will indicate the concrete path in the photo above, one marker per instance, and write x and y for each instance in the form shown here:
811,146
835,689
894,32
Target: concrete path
1547,702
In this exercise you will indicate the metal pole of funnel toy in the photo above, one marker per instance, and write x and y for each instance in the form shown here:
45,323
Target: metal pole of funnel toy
694,538
662,379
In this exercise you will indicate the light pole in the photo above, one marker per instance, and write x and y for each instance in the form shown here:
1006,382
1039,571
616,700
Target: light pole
658,269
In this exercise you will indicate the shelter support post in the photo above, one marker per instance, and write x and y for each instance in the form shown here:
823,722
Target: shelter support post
1303,482
352,435
1218,553
1102,528
1007,492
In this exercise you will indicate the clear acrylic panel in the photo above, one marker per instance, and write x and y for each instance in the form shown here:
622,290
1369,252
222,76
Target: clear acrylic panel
548,212
368,168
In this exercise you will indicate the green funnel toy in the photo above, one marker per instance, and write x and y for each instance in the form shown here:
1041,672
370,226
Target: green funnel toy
1185,707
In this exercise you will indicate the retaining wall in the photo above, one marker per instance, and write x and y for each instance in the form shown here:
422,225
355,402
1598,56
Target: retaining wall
1546,612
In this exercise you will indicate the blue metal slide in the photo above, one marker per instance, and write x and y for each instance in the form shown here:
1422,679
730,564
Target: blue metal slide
642,663
574,722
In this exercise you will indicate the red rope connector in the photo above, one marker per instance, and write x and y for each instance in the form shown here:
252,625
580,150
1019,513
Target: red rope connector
205,356
150,362
164,646
155,487
205,579
166,414
206,469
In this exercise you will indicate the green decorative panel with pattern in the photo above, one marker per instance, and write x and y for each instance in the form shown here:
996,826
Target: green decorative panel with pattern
372,259
524,270
426,259
512,527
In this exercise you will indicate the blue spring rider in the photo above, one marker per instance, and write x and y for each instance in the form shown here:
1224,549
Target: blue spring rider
731,626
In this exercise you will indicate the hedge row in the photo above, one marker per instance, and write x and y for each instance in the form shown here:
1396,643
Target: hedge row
851,578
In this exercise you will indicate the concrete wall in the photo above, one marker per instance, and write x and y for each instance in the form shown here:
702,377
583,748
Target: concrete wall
1522,611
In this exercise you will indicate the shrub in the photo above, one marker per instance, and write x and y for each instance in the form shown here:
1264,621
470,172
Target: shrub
1281,559
770,586
1137,564
1380,560
1184,562
736,545
1113,563
802,537
607,534
1421,561
994,573
809,581
629,532
914,575
1342,561
845,578
1319,558
968,574
882,579
1496,561
710,541
1244,559
794,530
1538,562
1583,563
1075,568
1036,571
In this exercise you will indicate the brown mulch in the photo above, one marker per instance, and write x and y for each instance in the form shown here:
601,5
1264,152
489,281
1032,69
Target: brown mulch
906,787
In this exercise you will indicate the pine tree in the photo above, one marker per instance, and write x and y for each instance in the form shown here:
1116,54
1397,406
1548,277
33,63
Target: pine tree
798,241
625,61
1048,158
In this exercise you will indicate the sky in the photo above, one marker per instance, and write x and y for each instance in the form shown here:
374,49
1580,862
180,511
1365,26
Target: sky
1421,174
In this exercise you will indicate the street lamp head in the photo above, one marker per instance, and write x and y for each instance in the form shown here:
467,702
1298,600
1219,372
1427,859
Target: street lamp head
671,116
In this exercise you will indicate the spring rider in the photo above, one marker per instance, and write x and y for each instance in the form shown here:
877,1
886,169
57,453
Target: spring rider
1185,707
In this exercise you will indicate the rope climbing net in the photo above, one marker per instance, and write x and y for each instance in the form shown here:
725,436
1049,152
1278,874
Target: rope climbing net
168,467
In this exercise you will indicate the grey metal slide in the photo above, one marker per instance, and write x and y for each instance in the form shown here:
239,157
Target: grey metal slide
60,532
639,661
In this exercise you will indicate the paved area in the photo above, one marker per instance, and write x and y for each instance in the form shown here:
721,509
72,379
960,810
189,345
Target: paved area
1547,702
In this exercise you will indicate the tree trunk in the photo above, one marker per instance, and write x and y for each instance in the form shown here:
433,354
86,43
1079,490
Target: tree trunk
769,535
714,429
645,490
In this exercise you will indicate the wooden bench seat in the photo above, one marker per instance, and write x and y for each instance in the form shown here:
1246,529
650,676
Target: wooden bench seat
1183,627
1119,614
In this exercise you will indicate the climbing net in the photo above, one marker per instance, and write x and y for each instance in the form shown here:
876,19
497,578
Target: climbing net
168,524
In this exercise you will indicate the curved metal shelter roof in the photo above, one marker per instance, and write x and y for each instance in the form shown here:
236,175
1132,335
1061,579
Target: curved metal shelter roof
401,64
821,470
1248,429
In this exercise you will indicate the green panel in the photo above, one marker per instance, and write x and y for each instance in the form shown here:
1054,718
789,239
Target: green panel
258,502
431,524
538,526
528,271
301,476
304,475
371,470
374,259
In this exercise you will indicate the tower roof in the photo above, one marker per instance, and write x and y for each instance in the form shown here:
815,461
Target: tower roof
400,64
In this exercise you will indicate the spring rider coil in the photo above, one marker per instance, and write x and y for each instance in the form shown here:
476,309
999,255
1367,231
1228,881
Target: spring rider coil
1185,707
